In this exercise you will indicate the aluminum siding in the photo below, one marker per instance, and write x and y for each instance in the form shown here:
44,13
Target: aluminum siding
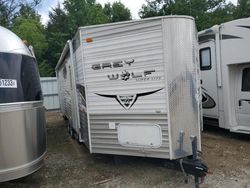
64,87
80,85
141,41
105,140
50,93
183,84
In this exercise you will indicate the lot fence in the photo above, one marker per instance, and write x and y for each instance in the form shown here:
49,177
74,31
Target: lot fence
50,93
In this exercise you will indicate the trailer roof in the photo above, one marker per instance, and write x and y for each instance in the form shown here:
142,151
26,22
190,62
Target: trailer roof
11,43
66,48
137,20
214,28
63,55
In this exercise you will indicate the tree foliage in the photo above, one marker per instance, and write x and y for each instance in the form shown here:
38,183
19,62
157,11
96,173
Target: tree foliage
28,27
63,22
48,41
83,13
117,12
57,33
243,9
31,30
206,12
21,17
10,9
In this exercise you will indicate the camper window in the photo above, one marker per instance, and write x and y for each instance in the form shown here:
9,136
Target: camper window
205,59
246,80
19,76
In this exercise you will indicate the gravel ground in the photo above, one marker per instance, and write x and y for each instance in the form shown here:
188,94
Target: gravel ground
69,164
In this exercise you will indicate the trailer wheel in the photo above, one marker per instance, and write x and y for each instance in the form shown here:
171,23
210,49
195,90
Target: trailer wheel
118,159
77,137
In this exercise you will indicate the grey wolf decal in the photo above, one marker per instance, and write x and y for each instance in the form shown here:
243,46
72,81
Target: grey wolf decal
127,101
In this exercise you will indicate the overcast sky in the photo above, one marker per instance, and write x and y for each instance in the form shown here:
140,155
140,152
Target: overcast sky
133,5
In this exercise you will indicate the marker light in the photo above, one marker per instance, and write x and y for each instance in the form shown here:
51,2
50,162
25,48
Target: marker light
89,40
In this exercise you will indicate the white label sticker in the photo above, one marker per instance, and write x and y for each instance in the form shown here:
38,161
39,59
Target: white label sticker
8,83
112,125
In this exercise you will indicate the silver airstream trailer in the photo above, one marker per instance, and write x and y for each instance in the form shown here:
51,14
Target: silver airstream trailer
22,118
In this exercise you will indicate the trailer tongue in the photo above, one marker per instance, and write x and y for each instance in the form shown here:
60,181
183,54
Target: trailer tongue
191,165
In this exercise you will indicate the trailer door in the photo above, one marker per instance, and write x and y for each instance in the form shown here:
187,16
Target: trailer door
243,98
209,79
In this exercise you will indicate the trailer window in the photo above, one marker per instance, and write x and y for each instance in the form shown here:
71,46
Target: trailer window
19,77
205,59
246,80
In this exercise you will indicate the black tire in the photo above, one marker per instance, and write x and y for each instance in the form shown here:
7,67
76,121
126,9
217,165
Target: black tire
77,137
118,159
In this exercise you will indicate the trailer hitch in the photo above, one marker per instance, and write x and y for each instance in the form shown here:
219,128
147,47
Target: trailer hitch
191,165
194,166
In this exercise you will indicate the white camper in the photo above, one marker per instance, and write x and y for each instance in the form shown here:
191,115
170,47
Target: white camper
136,84
225,70
67,90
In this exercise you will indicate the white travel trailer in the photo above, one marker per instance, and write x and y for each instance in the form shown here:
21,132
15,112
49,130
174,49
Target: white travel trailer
67,91
225,70
137,87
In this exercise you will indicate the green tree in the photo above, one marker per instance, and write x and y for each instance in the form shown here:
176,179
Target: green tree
222,15
243,9
28,12
9,10
31,30
83,13
63,23
57,33
117,12
45,69
205,12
